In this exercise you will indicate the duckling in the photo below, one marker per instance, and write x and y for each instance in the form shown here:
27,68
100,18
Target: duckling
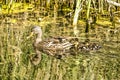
91,46
84,47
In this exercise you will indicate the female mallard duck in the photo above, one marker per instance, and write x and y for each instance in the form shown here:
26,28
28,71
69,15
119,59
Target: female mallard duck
57,46
54,46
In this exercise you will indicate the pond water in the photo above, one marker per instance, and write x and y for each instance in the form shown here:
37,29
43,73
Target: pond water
16,50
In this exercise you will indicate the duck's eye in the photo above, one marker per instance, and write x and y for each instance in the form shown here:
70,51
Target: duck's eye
58,56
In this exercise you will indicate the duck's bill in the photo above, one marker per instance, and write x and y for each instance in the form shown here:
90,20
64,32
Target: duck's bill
31,34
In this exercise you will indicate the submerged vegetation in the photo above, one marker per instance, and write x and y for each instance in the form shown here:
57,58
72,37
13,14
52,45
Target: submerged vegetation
88,20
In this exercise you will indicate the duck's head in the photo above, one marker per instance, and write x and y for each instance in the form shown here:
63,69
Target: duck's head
37,31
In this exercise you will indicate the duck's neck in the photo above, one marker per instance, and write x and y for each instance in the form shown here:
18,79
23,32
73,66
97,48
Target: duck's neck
38,39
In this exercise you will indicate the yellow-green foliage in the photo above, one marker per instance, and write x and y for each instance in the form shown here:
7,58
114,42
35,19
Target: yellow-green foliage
16,49
16,8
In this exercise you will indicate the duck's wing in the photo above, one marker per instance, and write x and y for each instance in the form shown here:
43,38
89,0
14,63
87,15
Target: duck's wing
53,47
